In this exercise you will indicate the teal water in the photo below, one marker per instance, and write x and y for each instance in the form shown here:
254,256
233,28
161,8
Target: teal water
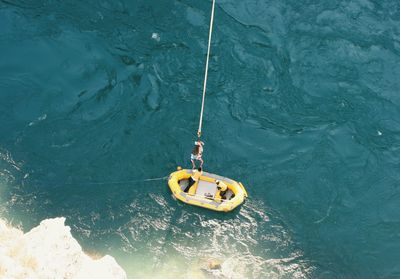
303,107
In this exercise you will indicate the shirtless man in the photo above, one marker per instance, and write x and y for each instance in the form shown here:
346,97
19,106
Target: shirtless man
197,153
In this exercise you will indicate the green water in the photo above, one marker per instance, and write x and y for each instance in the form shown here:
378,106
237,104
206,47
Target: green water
302,107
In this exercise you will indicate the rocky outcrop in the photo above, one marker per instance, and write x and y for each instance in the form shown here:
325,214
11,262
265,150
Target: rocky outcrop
50,251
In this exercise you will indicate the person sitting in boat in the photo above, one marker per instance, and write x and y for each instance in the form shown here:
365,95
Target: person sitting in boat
197,153
222,189
194,178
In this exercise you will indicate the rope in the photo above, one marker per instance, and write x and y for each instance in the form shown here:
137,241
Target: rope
206,71
104,182
116,182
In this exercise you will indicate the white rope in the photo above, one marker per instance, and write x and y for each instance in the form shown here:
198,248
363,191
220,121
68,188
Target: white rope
206,71
117,182
104,182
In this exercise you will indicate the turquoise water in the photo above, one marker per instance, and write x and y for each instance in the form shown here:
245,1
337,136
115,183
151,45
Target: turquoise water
303,107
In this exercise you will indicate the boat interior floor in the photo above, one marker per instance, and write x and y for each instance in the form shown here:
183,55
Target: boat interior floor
205,189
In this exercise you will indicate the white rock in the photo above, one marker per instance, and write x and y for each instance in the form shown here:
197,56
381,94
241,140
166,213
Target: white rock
50,251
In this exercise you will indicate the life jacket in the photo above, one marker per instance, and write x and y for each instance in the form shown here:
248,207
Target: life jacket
222,188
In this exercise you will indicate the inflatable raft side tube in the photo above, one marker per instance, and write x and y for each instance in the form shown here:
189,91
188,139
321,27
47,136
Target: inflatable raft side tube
244,190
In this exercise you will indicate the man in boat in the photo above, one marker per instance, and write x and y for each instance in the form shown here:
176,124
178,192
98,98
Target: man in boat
197,153
222,188
194,178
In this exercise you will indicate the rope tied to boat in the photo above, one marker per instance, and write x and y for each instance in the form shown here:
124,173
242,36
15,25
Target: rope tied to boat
206,70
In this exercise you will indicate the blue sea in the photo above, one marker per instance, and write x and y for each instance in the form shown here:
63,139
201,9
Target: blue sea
100,102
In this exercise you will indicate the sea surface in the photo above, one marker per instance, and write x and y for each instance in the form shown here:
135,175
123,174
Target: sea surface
100,102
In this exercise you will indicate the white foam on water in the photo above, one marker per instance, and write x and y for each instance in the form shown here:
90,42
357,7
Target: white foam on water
156,37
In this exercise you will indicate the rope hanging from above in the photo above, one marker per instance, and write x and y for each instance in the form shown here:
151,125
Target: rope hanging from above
206,70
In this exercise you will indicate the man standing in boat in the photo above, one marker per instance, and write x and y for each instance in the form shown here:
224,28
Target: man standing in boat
197,153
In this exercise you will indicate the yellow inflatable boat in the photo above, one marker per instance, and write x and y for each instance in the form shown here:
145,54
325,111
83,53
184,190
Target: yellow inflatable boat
204,193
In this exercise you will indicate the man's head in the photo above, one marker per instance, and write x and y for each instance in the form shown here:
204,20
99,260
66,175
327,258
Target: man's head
217,182
199,169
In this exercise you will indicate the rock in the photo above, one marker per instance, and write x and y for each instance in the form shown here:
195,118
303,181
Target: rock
50,251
